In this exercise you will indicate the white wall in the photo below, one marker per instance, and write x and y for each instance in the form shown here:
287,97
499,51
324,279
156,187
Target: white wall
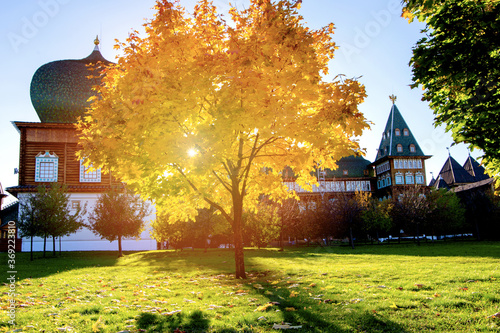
86,240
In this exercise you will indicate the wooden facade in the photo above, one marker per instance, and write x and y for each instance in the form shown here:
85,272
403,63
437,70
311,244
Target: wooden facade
61,140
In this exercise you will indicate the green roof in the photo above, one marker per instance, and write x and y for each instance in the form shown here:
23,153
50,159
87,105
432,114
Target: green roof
60,89
355,166
391,138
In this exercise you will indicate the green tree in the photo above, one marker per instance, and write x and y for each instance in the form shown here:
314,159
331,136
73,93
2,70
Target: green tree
117,215
262,225
198,107
29,219
446,213
56,213
47,213
458,65
377,217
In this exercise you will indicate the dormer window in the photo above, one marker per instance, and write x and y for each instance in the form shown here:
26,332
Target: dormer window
397,132
46,166
406,132
399,148
345,172
412,148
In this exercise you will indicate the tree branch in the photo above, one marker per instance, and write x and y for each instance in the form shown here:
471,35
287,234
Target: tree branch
212,203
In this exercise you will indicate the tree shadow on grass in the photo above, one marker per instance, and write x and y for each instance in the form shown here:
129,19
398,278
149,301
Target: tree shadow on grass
334,318
177,322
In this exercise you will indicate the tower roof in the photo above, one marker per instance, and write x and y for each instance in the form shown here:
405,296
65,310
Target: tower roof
475,169
60,89
396,134
453,173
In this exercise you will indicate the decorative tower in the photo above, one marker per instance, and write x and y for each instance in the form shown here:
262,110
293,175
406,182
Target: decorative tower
400,161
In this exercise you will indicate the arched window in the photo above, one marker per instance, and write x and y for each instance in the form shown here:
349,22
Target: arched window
399,148
412,148
397,132
406,132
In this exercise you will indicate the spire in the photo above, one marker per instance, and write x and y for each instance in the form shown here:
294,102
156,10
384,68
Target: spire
96,43
397,139
393,98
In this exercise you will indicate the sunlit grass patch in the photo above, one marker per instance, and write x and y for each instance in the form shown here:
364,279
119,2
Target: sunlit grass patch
370,289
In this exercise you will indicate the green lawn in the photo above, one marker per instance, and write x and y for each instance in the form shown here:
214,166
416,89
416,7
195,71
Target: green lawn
442,287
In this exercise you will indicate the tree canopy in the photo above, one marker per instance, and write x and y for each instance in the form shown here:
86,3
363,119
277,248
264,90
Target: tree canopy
116,215
47,213
201,112
458,65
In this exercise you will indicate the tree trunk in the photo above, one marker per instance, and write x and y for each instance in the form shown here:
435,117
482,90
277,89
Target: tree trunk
239,257
54,246
418,234
351,240
120,254
31,249
44,245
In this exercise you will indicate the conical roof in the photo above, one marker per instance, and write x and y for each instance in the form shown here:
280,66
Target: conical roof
475,169
397,132
454,174
60,89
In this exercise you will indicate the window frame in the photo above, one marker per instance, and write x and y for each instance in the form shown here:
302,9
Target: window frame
84,175
43,158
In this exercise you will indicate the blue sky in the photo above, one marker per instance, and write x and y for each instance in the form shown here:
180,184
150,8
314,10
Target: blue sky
374,44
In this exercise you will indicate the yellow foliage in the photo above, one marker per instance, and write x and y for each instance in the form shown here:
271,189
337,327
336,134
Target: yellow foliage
248,96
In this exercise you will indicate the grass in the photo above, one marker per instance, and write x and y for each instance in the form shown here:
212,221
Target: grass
442,287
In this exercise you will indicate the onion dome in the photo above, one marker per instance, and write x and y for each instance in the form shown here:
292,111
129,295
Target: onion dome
60,89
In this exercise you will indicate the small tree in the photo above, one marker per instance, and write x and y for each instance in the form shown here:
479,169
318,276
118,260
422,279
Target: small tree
29,221
377,217
56,215
47,213
289,214
118,215
261,226
411,208
347,212
446,213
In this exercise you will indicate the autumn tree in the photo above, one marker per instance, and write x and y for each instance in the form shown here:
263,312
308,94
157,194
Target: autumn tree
117,215
204,113
457,64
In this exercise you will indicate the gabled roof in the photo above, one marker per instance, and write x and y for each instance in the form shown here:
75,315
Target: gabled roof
390,141
454,174
355,166
475,169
